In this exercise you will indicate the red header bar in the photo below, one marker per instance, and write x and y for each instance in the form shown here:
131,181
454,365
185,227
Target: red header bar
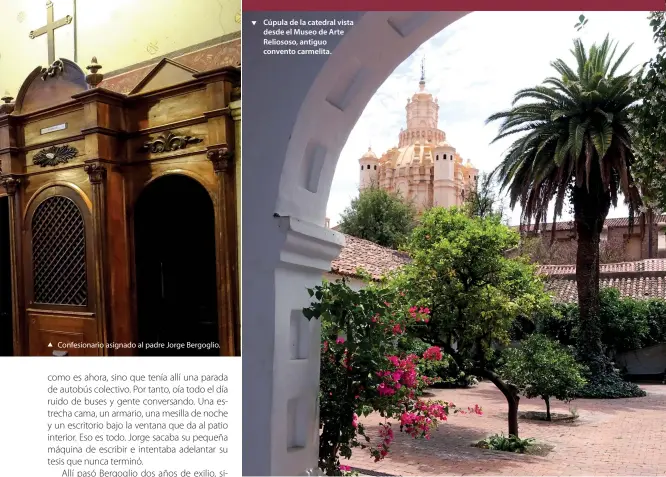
453,5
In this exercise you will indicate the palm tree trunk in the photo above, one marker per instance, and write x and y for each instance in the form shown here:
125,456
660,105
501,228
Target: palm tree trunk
590,211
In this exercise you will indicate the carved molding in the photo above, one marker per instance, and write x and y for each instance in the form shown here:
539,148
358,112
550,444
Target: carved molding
11,184
222,159
54,70
96,172
7,106
54,155
94,78
169,142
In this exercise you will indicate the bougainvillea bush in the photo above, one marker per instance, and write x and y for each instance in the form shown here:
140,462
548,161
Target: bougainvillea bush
363,372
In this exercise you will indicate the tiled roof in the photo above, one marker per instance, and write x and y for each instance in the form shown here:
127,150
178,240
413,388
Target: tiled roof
652,265
374,259
642,279
564,289
610,223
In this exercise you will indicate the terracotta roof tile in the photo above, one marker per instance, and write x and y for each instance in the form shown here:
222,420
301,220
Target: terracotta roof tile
651,265
641,279
564,289
374,259
616,222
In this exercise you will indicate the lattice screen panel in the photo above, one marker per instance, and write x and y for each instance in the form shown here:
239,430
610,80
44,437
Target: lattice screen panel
59,253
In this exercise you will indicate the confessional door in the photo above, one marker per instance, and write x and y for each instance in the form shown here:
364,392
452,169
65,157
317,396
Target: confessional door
175,259
60,286
6,326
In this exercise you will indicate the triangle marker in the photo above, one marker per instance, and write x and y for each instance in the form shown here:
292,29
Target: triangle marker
50,345
254,22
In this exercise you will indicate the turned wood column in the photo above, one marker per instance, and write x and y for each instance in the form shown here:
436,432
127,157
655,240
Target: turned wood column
97,176
11,185
227,261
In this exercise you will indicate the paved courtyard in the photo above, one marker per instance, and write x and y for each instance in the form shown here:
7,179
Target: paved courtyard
611,437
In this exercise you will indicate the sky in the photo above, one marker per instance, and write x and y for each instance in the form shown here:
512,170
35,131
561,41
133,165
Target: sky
474,67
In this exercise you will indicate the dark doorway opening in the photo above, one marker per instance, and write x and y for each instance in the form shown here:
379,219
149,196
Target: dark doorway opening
6,326
174,233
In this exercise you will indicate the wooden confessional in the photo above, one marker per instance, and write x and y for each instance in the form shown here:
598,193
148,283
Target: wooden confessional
118,227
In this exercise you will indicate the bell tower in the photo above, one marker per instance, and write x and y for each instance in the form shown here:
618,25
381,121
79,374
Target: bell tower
369,173
422,117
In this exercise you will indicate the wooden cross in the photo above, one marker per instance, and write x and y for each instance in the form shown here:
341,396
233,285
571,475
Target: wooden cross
50,28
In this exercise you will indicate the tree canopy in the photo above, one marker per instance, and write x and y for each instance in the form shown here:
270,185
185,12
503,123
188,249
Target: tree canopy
648,121
379,216
574,143
460,272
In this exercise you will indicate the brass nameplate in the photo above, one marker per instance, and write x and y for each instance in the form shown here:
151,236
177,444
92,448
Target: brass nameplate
50,129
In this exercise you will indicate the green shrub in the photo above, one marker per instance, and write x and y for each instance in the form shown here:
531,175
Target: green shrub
559,322
609,387
507,444
627,323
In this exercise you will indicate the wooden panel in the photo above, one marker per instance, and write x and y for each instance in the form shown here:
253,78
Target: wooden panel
37,93
198,167
73,176
73,120
121,327
198,133
55,328
168,110
165,73
81,156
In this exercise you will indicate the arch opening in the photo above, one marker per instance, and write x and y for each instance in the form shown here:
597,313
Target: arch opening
175,268
308,118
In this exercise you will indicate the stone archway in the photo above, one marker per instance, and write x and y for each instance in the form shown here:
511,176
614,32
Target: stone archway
303,110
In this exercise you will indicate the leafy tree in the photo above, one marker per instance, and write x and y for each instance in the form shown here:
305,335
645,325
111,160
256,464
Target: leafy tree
473,292
575,143
484,200
541,367
649,128
382,217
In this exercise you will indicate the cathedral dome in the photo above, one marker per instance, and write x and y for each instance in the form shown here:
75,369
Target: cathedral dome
369,154
414,154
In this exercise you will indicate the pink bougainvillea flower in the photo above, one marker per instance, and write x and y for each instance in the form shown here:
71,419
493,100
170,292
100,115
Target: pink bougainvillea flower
434,353
345,468
340,340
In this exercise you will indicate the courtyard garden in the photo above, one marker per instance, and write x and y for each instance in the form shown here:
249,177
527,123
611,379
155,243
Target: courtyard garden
459,362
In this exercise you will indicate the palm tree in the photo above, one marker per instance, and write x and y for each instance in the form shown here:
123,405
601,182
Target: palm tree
575,146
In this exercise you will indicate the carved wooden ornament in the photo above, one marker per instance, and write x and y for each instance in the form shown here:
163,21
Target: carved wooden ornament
169,142
54,155
56,69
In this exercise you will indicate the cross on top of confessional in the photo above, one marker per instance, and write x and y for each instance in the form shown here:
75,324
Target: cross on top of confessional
50,28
